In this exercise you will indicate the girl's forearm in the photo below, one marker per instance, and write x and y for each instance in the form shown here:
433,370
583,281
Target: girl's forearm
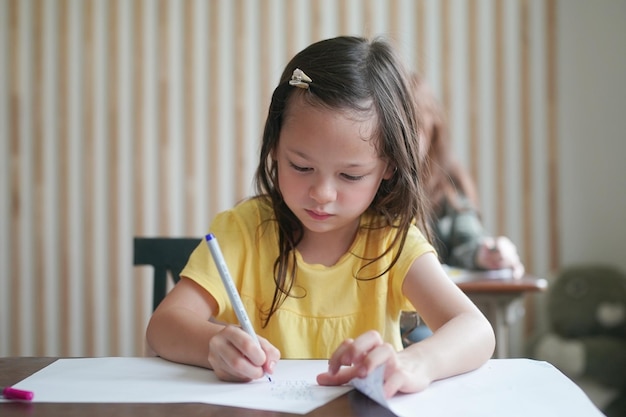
181,336
461,345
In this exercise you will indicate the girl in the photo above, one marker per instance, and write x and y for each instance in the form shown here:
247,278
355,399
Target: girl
329,252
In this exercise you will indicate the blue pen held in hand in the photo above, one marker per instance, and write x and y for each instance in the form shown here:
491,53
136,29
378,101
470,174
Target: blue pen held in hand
233,295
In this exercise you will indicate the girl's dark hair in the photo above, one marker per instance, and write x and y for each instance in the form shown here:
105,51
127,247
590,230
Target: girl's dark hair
349,73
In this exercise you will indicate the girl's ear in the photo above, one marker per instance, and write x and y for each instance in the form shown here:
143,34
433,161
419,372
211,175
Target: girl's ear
389,171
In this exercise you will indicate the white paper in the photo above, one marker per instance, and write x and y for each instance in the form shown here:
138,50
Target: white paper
153,380
502,387
372,386
460,275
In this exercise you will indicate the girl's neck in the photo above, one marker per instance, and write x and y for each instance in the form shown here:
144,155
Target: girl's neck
327,248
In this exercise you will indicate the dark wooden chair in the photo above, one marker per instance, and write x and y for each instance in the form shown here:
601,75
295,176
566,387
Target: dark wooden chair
165,254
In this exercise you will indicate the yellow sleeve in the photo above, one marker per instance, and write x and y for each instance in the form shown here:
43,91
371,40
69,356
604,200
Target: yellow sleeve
415,246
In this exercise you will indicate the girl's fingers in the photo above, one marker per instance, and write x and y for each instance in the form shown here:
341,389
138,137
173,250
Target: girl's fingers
375,354
502,254
341,377
352,351
393,384
230,365
235,356
341,356
518,271
272,355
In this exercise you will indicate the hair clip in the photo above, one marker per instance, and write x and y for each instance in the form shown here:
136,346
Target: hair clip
300,79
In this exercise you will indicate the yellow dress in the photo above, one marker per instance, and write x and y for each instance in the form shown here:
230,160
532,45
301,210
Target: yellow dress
330,304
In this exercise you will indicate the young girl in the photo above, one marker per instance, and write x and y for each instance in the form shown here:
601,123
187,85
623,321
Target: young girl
329,253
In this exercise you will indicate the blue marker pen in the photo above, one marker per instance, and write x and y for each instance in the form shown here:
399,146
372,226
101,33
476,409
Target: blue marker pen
233,295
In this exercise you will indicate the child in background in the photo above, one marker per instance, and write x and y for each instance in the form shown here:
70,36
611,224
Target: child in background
459,235
329,252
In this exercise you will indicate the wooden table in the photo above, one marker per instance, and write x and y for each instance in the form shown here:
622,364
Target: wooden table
13,370
500,300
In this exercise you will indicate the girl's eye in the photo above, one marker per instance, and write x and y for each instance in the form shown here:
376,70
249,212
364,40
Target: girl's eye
299,168
353,177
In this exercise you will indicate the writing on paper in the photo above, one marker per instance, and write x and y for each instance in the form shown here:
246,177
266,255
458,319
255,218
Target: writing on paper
297,390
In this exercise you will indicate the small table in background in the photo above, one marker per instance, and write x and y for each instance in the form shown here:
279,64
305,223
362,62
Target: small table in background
499,296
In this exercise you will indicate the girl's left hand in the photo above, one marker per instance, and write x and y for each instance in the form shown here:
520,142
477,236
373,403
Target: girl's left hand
357,358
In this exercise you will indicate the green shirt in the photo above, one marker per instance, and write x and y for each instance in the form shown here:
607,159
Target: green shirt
458,233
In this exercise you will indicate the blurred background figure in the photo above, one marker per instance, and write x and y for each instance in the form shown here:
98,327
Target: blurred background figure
457,230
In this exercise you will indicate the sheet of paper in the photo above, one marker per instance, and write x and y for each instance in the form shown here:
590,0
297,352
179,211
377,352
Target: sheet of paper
511,387
372,386
153,380
502,387
460,275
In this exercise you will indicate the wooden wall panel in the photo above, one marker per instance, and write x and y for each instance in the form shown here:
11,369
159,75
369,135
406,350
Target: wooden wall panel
120,119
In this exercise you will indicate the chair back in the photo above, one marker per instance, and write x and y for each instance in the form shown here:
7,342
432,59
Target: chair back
164,254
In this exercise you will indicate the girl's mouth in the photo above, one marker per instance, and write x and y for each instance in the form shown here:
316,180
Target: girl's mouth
316,215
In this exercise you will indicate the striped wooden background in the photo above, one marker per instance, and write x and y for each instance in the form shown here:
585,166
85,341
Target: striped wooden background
123,118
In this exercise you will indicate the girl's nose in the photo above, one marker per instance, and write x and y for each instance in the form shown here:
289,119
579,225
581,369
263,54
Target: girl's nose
323,191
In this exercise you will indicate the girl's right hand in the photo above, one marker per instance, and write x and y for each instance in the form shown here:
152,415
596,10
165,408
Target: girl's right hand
499,253
236,357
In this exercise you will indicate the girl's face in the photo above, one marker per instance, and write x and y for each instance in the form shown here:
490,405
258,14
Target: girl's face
328,166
